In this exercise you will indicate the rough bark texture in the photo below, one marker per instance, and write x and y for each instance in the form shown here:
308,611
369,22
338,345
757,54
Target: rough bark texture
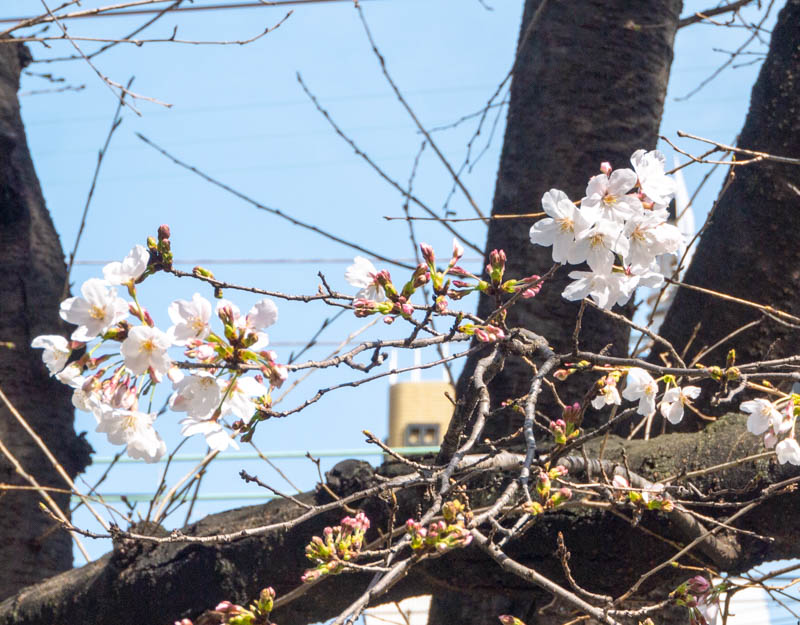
589,86
32,276
146,585
750,248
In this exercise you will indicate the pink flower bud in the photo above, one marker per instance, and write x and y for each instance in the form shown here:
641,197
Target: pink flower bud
497,258
460,271
163,232
605,167
571,413
383,277
427,253
698,585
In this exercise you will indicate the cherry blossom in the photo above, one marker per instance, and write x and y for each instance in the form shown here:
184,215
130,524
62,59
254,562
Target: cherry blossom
72,376
763,415
641,385
362,274
649,237
655,184
198,395
788,451
606,289
216,436
191,319
674,399
607,396
135,430
559,229
56,351
146,348
130,269
238,400
598,245
262,315
606,196
96,311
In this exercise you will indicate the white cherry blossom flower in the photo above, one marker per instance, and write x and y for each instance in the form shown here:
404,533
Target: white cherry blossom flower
788,451
216,436
649,167
641,385
96,311
262,315
72,376
598,245
606,289
135,430
146,348
763,415
56,351
198,395
238,401
650,237
130,269
362,275
606,396
191,319
606,196
559,228
674,399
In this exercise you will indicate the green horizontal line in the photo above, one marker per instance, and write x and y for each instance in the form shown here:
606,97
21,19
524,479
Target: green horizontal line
327,453
134,497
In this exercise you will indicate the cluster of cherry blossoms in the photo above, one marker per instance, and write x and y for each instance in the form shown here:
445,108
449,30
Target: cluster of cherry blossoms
619,229
378,295
112,384
775,420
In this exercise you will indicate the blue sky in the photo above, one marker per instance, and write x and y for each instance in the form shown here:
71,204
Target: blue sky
240,115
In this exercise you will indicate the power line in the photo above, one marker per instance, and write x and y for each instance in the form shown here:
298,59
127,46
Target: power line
208,7
265,261
140,497
272,455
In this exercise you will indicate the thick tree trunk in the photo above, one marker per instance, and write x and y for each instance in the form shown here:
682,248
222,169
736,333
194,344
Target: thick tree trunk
750,248
143,584
589,86
32,276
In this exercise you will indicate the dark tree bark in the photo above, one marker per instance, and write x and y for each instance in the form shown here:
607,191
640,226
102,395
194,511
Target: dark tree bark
32,276
750,248
143,584
588,87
